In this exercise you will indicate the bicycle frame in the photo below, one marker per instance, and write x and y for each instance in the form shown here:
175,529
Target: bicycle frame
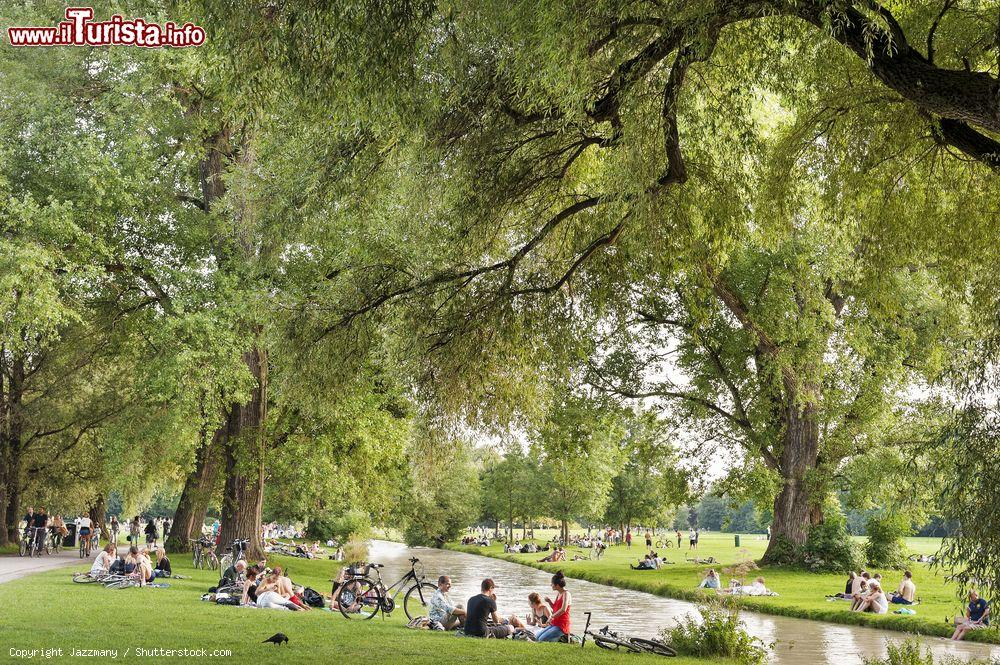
401,584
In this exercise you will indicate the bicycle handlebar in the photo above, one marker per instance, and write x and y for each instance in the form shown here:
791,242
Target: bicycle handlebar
414,560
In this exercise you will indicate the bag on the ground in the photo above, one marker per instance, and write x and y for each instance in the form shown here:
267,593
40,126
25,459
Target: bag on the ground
312,598
419,623
226,599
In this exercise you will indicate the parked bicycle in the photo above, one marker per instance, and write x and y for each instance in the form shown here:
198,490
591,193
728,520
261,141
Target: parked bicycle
362,595
203,553
235,552
608,639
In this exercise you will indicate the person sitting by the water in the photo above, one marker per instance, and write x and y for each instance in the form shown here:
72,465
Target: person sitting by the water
857,597
756,589
449,614
539,616
852,586
559,620
529,548
875,601
482,608
976,616
558,554
906,594
711,581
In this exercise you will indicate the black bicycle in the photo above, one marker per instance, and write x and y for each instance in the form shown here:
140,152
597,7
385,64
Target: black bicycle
608,639
363,594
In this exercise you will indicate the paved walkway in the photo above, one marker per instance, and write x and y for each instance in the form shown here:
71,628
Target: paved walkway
15,567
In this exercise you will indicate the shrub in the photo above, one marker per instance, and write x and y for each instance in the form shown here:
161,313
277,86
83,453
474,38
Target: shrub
719,633
909,652
356,550
884,548
829,547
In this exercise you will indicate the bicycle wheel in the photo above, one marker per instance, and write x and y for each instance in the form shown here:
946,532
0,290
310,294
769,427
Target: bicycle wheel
84,578
359,598
417,599
654,646
613,644
24,549
83,546
594,555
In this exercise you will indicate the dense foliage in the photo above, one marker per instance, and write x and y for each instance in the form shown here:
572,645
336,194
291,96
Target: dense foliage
717,632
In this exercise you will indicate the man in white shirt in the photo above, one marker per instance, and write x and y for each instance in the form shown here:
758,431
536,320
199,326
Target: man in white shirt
442,609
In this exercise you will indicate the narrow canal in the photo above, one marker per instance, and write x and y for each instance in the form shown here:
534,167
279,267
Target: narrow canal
798,641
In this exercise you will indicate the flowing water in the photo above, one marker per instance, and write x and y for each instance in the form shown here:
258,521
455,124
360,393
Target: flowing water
798,641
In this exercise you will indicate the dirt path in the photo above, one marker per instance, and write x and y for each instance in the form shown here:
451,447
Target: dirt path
15,567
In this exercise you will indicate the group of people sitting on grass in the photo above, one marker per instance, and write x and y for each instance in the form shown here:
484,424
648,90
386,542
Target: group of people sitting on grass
713,582
136,562
548,619
651,561
482,541
527,548
867,592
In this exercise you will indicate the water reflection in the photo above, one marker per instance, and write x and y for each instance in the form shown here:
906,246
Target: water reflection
642,614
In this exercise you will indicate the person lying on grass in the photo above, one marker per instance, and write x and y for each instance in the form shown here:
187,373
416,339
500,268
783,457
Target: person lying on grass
875,601
906,594
976,616
758,588
651,561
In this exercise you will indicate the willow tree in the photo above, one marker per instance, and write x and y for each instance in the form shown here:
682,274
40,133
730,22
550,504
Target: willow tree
507,164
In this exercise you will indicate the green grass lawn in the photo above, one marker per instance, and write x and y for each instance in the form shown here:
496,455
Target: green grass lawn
48,611
801,593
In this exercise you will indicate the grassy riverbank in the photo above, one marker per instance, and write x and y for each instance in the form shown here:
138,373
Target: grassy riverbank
801,593
48,611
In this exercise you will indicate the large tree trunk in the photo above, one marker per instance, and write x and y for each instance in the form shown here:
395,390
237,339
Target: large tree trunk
243,446
794,511
197,493
96,513
11,427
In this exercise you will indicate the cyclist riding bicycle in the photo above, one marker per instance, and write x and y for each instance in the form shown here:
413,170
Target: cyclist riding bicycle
29,522
40,523
84,526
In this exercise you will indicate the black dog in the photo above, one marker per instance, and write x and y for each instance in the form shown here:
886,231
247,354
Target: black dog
277,638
